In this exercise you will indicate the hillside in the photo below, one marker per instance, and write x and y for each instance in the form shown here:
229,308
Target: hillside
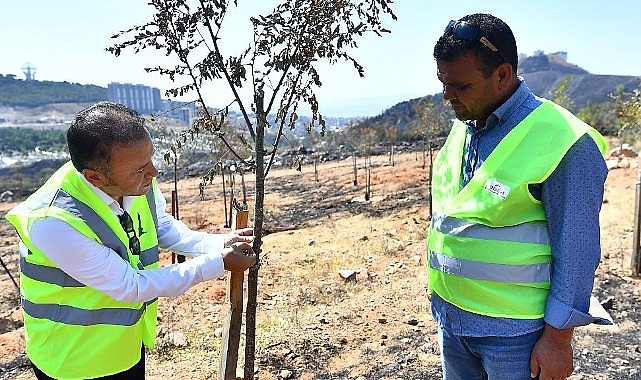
542,73
21,93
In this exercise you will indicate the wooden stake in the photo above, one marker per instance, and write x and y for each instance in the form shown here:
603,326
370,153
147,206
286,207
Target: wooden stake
635,261
231,337
355,171
175,214
315,170
174,208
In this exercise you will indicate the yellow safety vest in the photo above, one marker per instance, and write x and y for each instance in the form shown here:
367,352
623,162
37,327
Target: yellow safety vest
488,244
73,331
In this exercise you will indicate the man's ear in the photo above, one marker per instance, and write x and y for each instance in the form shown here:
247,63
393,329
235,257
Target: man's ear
94,177
505,76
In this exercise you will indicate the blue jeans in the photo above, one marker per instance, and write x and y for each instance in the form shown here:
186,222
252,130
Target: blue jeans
486,358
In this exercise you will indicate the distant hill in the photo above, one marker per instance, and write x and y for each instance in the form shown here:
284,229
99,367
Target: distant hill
403,114
20,93
542,73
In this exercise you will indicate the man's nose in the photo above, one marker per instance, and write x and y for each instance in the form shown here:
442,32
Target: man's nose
153,172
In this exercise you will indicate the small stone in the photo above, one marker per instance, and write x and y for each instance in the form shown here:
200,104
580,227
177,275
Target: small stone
608,303
178,339
412,321
348,274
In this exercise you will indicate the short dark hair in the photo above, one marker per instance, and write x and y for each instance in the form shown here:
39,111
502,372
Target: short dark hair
449,48
97,129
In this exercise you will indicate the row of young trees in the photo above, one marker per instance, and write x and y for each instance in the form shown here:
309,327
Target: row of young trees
430,120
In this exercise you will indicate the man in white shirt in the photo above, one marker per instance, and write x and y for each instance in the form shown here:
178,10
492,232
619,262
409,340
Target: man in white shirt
89,254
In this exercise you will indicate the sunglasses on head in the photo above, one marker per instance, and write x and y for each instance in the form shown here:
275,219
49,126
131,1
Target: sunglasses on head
463,30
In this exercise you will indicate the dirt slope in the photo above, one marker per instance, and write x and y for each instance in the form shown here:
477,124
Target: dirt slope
313,323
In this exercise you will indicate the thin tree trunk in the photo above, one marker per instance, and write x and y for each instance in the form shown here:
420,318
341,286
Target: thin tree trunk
252,277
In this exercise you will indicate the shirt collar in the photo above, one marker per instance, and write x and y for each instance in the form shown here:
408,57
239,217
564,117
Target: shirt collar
508,107
108,199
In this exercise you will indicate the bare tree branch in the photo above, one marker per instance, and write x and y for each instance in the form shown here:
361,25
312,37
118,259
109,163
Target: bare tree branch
287,44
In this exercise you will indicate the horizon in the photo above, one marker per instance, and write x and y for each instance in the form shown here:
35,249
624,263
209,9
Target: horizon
361,103
398,66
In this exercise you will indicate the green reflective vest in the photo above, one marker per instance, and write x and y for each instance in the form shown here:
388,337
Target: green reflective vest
488,244
73,331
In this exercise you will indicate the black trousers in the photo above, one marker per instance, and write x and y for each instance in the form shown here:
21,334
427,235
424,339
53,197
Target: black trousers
137,372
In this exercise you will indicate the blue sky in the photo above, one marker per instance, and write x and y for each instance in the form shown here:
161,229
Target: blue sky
65,41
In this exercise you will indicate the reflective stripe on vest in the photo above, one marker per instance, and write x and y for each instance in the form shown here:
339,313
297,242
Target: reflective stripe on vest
50,275
82,317
53,275
107,235
533,233
86,213
491,272
150,256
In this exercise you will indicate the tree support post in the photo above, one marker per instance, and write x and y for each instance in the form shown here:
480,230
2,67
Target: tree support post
231,337
636,249
174,209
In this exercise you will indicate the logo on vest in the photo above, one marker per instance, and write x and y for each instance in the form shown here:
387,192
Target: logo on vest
497,188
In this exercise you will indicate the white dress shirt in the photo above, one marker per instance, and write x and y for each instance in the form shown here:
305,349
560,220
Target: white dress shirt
99,267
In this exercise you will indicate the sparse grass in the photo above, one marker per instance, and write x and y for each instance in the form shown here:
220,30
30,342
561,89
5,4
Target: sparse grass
272,326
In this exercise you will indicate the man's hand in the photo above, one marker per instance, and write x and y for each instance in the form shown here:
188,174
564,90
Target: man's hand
238,254
551,357
238,257
244,235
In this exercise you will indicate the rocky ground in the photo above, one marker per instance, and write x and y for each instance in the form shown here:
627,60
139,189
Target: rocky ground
342,283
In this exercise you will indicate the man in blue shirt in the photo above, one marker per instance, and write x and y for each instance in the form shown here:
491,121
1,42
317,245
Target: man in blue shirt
477,64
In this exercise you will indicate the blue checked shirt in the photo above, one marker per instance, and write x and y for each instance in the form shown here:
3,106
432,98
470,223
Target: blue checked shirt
572,198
